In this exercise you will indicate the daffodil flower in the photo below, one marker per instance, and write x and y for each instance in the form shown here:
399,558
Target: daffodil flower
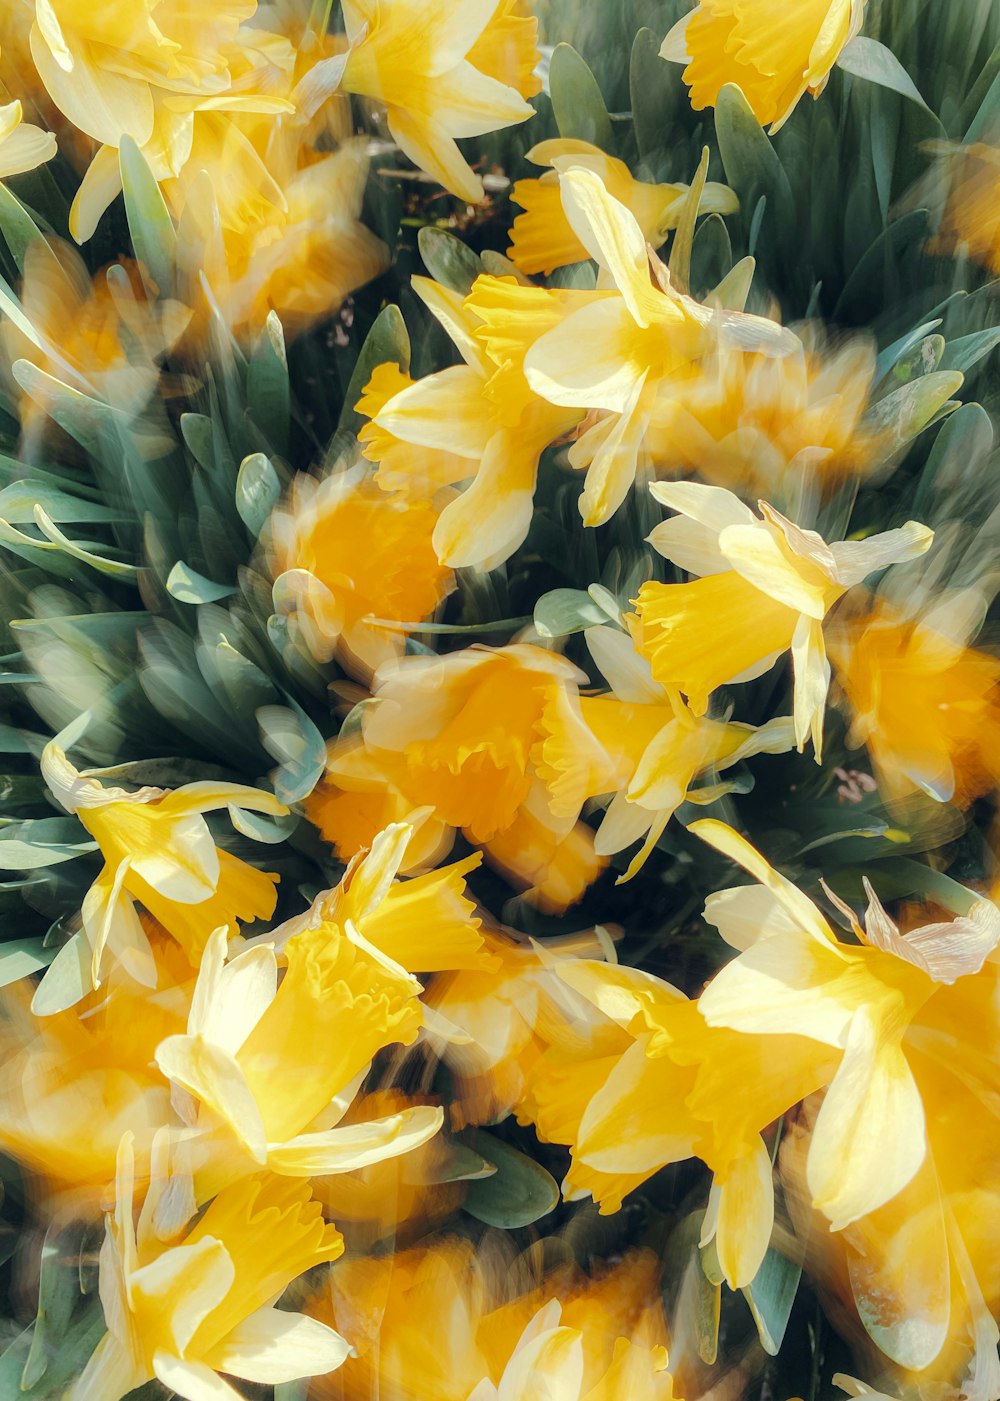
158,851
656,749
923,702
426,924
542,238
569,1338
444,70
656,1085
774,57
268,1081
352,564
794,977
23,147
766,586
476,426
628,346
454,742
204,1303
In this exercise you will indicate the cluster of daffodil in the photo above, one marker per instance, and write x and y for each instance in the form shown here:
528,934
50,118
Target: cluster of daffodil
381,1015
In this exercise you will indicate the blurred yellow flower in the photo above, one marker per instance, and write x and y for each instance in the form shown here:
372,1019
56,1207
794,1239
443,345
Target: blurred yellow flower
204,1303
453,743
73,1083
505,1015
477,423
268,204
654,749
139,70
926,706
76,330
393,1197
269,1081
774,57
542,238
444,69
765,587
158,850
569,1337
753,422
970,221
351,564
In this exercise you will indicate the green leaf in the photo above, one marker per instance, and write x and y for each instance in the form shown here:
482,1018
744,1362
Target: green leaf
752,165
866,286
58,1296
268,391
18,855
259,828
771,1294
18,502
655,90
290,737
868,59
895,352
904,413
680,249
21,957
153,235
519,1192
188,586
985,124
387,340
18,227
196,430
448,259
565,611
964,352
84,418
577,101
258,491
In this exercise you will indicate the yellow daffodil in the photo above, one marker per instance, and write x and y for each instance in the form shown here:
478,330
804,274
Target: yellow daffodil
351,565
77,331
624,350
425,925
452,743
268,1079
268,204
73,1083
22,146
407,1195
926,706
501,1018
794,977
202,1304
754,423
477,423
444,70
656,1085
765,587
568,1337
158,851
970,221
542,238
775,59
654,747
141,71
